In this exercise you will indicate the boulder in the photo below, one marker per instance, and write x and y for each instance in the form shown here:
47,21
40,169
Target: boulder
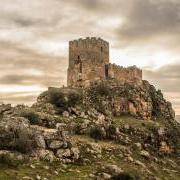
40,141
44,154
63,153
65,114
94,148
75,152
145,154
16,133
55,144
113,169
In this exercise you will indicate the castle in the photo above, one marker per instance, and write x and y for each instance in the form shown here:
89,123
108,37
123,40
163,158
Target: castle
89,62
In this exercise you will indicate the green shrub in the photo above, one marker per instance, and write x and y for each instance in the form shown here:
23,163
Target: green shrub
111,131
74,99
125,176
102,90
63,101
24,141
31,115
58,99
96,133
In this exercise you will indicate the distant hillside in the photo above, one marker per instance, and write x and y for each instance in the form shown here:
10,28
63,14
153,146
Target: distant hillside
178,118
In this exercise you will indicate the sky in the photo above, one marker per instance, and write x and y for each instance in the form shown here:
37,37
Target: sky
34,37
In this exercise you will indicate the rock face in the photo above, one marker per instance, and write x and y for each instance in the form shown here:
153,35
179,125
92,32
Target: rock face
110,98
16,133
142,101
12,132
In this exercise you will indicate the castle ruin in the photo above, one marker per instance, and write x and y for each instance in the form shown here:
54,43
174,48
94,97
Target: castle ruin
89,62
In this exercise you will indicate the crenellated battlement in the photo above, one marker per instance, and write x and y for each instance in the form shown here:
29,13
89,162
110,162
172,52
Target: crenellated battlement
88,42
131,74
131,68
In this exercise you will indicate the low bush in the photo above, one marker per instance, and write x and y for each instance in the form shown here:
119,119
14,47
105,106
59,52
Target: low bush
58,99
25,141
125,176
74,99
63,101
96,133
111,131
31,115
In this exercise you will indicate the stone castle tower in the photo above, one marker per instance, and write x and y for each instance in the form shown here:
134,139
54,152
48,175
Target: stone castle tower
89,61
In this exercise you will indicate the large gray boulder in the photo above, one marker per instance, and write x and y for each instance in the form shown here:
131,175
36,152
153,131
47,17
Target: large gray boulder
16,134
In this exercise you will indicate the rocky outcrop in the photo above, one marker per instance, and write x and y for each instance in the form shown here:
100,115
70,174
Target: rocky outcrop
142,101
109,98
17,134
85,126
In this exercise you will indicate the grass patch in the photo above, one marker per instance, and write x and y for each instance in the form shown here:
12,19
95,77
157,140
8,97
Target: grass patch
135,123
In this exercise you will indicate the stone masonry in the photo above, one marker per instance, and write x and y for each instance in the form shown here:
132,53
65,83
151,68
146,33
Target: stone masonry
89,61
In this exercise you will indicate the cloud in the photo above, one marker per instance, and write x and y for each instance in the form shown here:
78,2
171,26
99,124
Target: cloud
151,20
166,77
27,67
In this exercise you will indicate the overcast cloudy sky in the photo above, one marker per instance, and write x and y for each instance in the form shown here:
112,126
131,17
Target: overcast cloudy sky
34,37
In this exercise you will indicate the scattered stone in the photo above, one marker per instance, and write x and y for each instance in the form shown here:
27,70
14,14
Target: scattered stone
140,163
27,178
161,131
138,146
56,173
130,159
92,176
32,166
75,152
55,144
113,169
106,176
38,177
145,154
66,153
46,167
65,114
40,141
45,155
165,148
94,148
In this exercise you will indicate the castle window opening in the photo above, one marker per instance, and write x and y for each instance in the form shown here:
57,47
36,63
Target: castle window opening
106,71
78,58
101,49
80,67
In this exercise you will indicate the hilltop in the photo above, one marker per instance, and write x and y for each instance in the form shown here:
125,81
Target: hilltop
105,131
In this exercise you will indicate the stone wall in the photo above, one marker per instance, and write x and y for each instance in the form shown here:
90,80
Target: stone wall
90,72
125,75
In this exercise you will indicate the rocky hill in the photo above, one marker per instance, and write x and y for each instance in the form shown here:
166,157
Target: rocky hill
106,131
